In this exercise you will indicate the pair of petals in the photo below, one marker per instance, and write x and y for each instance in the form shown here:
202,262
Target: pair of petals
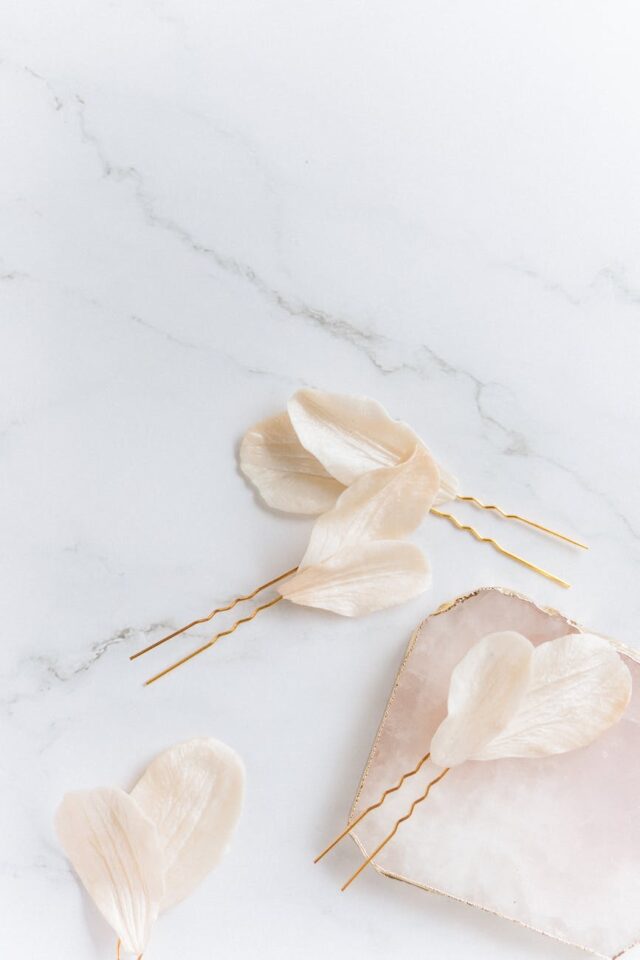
508,698
356,562
140,853
371,480
301,460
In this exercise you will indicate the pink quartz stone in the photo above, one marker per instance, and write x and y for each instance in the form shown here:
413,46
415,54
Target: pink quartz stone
554,843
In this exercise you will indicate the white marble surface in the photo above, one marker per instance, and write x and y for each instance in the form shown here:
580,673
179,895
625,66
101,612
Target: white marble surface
203,206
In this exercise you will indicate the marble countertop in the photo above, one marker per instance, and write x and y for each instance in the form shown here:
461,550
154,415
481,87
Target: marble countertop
203,207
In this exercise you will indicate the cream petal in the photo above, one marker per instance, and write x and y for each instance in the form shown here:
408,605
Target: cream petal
361,579
580,687
286,475
349,435
115,851
385,504
193,793
486,688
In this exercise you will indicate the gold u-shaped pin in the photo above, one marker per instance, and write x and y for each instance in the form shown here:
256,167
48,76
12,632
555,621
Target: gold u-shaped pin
494,543
374,806
520,519
269,583
393,832
213,641
214,613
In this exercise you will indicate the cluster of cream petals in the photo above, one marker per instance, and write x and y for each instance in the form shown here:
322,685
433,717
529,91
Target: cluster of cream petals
139,853
508,698
368,478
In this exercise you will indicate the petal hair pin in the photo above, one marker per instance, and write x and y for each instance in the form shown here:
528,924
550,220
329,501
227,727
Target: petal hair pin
139,853
508,698
370,481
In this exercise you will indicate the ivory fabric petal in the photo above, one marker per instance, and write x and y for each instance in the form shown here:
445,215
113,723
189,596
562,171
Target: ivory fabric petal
384,504
115,851
487,688
193,793
579,688
361,579
286,475
349,435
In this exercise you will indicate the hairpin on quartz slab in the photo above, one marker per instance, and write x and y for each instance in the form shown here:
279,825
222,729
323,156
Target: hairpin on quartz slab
508,698
370,481
139,853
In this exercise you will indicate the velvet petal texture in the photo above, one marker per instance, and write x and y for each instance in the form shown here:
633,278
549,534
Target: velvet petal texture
385,504
286,475
193,793
361,579
115,851
349,435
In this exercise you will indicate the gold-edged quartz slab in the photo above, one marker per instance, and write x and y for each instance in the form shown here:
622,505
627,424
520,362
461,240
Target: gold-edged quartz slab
553,844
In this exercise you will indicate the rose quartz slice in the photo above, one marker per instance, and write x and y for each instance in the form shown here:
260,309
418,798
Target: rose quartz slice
554,843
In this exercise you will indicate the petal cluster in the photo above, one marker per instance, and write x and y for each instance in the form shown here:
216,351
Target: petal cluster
301,460
508,698
139,853
370,481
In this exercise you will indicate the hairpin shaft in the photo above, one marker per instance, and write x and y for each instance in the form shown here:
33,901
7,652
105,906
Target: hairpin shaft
374,806
391,835
520,519
500,549
213,641
210,616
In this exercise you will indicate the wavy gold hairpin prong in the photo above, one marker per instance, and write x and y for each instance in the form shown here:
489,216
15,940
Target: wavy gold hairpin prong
214,613
213,641
516,516
494,543
398,823
374,806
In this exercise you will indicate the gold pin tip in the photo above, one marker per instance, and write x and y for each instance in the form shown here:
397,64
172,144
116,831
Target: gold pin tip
494,543
374,806
213,641
214,613
398,823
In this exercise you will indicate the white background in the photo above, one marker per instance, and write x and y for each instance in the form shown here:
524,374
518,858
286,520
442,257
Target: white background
203,206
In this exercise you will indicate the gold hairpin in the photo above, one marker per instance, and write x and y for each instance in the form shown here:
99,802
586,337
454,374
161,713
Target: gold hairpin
374,806
516,516
397,824
558,704
507,553
344,460
212,642
214,613
288,573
